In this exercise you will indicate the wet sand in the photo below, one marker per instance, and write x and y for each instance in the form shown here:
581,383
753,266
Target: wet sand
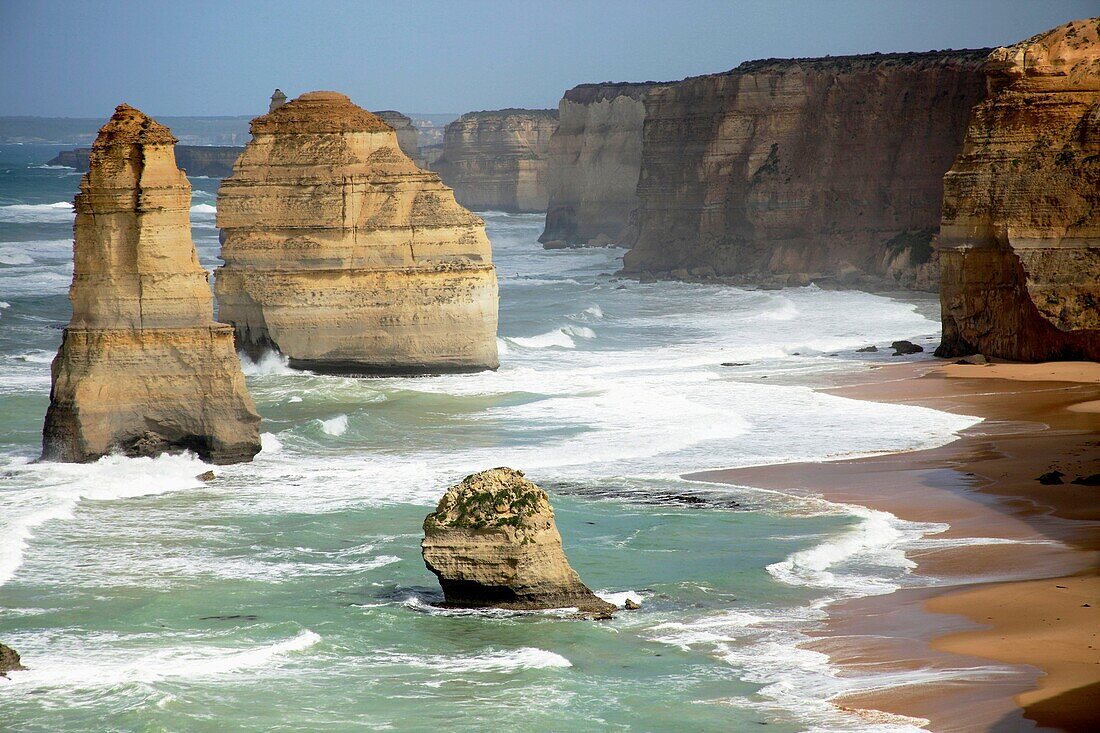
1009,627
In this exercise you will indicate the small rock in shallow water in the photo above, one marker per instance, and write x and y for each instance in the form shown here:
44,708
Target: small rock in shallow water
867,350
903,348
1050,478
9,660
632,605
206,476
734,363
1093,480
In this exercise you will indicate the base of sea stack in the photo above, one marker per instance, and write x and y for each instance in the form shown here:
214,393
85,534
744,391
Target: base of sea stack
492,543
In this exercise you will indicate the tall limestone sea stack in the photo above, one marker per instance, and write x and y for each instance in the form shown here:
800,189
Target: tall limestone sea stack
593,163
787,171
407,136
143,368
497,160
1020,239
347,258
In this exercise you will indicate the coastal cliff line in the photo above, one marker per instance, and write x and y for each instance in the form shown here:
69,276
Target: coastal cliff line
787,171
1020,238
344,256
594,160
496,160
143,368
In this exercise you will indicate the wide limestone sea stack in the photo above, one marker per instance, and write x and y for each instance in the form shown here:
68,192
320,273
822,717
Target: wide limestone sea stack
497,160
787,171
344,256
593,163
1020,239
492,542
143,368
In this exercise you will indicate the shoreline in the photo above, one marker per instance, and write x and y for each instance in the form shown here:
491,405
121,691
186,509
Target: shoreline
1018,599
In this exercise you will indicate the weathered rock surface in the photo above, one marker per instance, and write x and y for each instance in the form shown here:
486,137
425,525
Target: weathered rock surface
787,171
1020,238
492,541
9,660
595,156
215,161
407,135
143,368
346,257
497,160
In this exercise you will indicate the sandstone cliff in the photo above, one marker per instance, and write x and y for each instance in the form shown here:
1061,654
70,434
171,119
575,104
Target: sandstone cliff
1020,238
346,257
594,160
492,541
497,160
785,171
215,161
142,367
407,135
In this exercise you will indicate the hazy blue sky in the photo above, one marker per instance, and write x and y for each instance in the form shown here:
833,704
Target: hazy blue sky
224,58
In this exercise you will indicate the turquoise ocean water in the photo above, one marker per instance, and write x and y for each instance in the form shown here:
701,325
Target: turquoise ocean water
289,594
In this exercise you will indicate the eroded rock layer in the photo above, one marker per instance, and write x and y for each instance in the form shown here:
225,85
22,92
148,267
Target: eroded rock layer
1020,238
346,257
595,156
407,135
786,171
492,541
497,160
143,368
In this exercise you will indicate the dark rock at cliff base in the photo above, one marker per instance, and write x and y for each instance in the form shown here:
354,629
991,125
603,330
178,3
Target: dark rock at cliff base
903,348
492,542
1051,478
9,660
867,350
974,360
1093,480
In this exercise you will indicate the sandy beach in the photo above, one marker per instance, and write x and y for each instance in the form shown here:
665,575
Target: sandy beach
1023,605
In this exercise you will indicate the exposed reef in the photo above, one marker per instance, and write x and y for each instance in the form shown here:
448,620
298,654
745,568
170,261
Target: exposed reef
1020,240
595,156
492,542
790,171
344,256
143,368
497,160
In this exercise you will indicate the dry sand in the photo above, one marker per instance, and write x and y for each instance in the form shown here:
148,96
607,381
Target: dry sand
1033,603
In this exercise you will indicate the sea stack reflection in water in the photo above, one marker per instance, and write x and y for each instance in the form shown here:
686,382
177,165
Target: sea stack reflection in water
143,368
492,542
346,257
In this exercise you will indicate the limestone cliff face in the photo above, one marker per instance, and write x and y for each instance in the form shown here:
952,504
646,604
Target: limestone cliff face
346,257
492,541
790,170
143,368
497,160
595,157
215,161
1020,238
407,135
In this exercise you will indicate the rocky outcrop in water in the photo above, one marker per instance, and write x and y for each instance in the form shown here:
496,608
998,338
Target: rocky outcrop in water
787,171
215,161
1020,238
9,661
594,160
407,135
344,256
497,160
143,368
492,542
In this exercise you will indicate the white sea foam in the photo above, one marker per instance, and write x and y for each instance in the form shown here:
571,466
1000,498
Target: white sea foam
557,338
59,487
15,258
335,426
83,663
270,362
62,211
488,661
